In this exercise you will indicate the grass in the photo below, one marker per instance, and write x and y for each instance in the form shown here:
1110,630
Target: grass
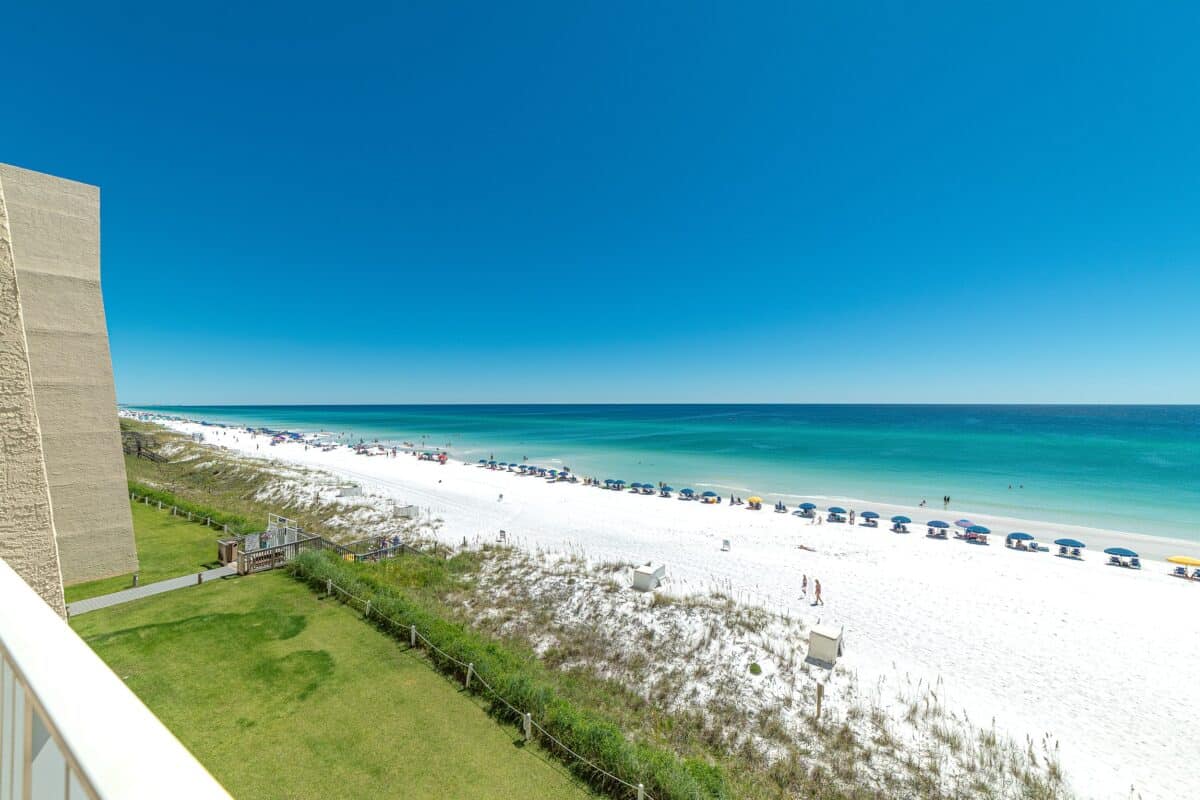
167,547
283,695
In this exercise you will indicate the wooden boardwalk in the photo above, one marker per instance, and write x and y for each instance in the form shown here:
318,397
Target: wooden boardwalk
150,589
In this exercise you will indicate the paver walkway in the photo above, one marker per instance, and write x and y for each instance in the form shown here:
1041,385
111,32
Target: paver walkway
137,593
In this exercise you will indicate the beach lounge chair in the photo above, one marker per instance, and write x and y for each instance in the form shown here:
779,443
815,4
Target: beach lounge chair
1062,551
1180,572
1196,575
1113,561
1075,553
1135,563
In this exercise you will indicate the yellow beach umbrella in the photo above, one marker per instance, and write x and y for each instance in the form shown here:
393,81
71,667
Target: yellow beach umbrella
753,499
1187,561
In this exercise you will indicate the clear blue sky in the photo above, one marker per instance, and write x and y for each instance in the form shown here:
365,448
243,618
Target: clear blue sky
630,202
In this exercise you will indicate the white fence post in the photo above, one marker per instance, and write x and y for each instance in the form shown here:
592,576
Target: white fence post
470,672
528,726
329,587
160,505
641,792
412,635
367,611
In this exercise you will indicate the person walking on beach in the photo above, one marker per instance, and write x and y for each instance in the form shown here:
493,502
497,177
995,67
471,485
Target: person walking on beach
817,601
804,586
852,516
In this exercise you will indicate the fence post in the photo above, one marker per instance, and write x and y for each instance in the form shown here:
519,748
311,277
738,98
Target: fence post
329,587
820,695
412,635
470,672
160,505
641,792
227,528
207,521
528,726
199,578
189,516
367,612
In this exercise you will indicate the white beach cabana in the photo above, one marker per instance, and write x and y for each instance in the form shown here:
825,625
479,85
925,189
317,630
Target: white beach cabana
648,576
824,645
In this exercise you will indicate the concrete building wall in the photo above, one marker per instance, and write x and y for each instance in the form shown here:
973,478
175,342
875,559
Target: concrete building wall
55,235
27,541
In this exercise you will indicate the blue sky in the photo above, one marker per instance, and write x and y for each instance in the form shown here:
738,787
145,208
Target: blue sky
630,202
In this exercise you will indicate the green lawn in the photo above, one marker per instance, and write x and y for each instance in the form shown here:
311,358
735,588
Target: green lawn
281,694
167,547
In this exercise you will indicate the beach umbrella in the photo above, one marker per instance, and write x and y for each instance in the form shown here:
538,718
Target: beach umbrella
754,499
1124,552
937,523
977,529
808,506
964,523
667,489
490,463
1186,561
635,486
901,519
1019,537
688,492
714,494
1069,543
483,461
501,464
836,510
619,482
869,515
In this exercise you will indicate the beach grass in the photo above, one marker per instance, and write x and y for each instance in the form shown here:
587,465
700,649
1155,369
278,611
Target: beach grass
283,695
167,546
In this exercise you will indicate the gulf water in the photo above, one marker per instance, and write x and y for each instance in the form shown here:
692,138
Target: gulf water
1130,468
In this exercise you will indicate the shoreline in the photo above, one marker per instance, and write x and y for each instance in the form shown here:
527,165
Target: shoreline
1149,546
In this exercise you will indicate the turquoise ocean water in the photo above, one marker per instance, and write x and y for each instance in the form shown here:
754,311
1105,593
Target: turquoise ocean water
1131,468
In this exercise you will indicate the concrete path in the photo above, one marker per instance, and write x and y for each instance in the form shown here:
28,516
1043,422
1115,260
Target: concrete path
137,593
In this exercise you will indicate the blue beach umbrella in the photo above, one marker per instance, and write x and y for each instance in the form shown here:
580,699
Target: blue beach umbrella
1019,536
937,523
1124,552
618,482
1069,543
900,519
808,506
635,486
483,461
688,492
668,489
977,529
836,510
869,515
709,494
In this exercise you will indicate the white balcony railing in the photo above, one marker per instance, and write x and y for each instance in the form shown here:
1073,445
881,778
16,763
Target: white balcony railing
69,728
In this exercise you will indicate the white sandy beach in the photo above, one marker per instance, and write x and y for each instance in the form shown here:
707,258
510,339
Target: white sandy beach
1102,659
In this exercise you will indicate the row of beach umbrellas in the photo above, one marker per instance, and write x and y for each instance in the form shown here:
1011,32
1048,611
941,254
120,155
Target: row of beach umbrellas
899,519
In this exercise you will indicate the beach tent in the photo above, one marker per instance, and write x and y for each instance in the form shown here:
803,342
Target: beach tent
1117,558
1069,548
824,645
1018,536
1184,562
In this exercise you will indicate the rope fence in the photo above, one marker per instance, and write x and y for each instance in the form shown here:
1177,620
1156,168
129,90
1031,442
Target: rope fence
529,725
